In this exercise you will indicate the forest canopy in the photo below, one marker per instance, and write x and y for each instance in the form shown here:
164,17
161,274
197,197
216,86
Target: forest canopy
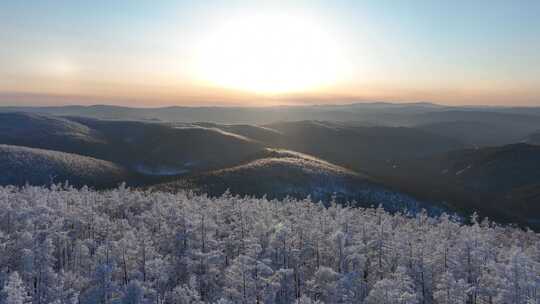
66,245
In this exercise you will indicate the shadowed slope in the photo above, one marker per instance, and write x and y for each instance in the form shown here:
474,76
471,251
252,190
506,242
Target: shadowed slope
148,148
48,132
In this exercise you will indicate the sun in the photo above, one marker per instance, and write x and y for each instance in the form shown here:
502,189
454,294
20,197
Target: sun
270,54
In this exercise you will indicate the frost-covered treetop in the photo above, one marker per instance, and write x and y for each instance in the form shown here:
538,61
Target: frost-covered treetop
63,245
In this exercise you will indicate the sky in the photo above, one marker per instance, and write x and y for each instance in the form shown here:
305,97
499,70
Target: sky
257,53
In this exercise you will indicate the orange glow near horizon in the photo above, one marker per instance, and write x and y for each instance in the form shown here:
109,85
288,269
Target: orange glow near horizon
261,53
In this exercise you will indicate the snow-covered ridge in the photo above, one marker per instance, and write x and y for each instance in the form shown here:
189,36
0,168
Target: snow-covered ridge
22,165
296,159
64,245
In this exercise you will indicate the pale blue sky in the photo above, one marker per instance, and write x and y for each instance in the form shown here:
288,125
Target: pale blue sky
454,52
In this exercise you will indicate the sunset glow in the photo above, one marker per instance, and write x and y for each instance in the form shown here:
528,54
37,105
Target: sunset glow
271,54
141,53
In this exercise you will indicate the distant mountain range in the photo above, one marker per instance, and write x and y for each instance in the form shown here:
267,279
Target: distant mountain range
400,155
381,112
475,126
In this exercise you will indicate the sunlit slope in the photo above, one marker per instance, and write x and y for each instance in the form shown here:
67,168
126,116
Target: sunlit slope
267,136
280,173
21,165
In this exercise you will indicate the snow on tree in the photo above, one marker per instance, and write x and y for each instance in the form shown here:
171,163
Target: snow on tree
63,245
305,300
397,289
133,294
185,295
15,290
450,291
323,286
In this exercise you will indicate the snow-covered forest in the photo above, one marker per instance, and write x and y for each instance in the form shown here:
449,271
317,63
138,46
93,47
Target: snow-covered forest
63,245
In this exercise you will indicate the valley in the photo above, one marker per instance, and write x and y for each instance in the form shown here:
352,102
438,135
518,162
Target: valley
411,157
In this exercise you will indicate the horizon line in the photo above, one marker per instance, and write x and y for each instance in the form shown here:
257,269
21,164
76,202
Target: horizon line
398,103
95,101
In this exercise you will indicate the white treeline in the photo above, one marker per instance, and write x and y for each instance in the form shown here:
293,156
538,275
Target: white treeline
64,245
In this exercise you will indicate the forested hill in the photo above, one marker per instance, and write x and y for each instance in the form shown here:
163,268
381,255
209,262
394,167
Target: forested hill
124,246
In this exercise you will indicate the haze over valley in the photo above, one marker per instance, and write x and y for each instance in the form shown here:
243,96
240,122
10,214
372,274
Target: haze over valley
456,159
